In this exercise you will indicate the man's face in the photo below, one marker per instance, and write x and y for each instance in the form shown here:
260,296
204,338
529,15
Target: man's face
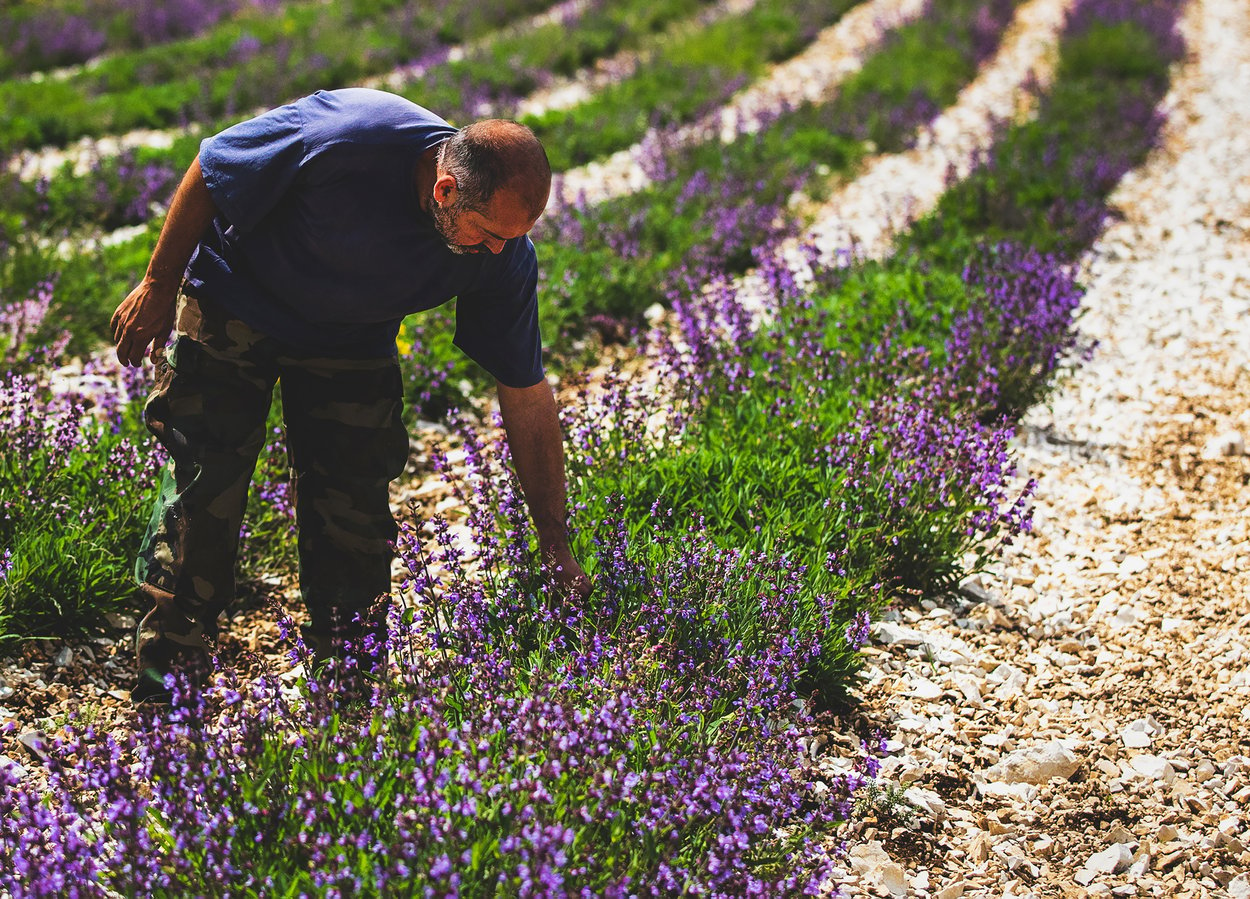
468,229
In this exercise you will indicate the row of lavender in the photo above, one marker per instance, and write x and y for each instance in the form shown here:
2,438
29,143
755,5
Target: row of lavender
46,35
261,56
647,744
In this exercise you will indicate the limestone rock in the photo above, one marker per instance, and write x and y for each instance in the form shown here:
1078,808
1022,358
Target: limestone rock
1111,860
1228,443
874,865
1152,767
1239,887
1140,734
1035,764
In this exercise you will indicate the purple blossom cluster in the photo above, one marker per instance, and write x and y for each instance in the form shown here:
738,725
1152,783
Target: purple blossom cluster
637,746
52,432
634,747
549,793
924,480
139,186
893,121
73,500
25,342
1018,330
61,34
113,192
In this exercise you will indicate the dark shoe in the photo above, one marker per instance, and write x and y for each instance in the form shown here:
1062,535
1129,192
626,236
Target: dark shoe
167,643
150,689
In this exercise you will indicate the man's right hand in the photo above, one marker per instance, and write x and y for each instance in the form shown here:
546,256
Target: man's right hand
145,318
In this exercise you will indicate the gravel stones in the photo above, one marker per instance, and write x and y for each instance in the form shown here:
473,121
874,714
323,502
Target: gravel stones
878,871
1140,734
1113,860
1119,629
1036,764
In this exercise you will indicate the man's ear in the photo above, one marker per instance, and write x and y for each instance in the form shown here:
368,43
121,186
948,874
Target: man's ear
445,188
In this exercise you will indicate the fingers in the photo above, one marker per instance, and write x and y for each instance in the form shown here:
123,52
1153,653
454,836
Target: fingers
130,351
142,320
123,326
132,344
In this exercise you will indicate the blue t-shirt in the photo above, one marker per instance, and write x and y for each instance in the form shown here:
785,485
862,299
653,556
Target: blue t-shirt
322,243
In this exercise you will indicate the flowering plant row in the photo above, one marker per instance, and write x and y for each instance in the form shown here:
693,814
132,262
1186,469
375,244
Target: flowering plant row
264,59
46,35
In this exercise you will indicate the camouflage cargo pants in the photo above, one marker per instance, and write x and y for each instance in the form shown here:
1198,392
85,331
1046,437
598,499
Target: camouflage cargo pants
346,442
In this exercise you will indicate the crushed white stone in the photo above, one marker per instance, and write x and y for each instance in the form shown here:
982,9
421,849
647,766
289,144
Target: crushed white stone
1127,610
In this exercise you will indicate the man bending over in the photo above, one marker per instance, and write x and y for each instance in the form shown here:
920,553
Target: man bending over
293,248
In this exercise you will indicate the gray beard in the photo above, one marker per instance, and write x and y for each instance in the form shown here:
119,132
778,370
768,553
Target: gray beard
445,221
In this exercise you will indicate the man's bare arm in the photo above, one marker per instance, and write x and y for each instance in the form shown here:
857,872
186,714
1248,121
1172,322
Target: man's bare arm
146,317
537,444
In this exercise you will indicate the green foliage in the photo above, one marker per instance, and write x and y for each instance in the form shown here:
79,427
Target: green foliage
267,545
1042,184
1114,51
74,502
679,80
254,60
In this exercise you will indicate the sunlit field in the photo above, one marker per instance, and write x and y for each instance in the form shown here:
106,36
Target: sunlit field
768,442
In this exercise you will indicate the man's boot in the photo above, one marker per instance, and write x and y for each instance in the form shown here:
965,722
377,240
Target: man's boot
168,642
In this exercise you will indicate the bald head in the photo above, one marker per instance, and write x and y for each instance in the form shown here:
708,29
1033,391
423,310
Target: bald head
493,154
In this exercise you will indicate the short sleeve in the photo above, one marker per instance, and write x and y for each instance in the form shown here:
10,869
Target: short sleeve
497,326
249,166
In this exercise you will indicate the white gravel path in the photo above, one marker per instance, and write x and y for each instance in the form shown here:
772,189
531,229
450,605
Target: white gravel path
1080,725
